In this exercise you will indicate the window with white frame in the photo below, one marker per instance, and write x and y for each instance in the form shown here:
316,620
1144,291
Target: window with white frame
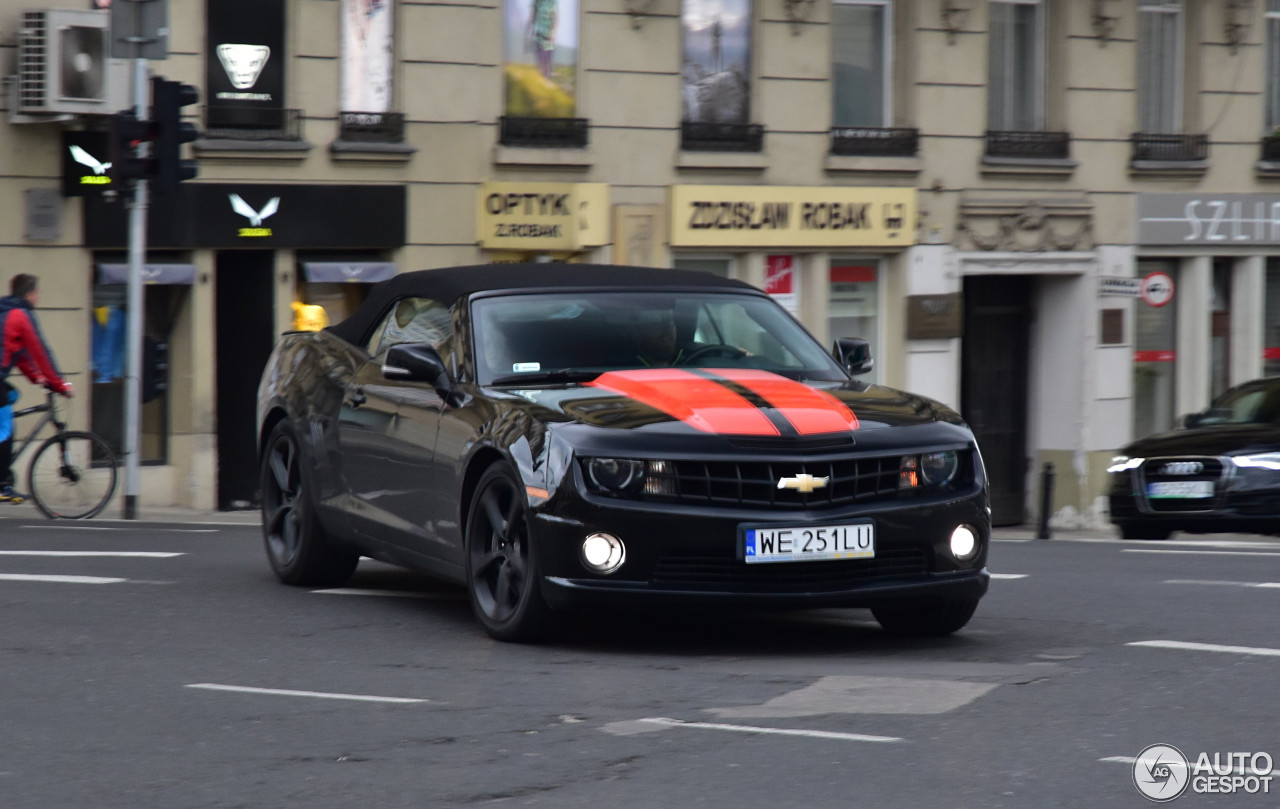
1160,67
1273,66
1015,101
861,48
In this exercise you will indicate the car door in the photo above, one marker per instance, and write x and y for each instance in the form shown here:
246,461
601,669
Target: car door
387,433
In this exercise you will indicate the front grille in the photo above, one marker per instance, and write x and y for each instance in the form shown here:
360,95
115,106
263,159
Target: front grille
1181,470
693,571
755,483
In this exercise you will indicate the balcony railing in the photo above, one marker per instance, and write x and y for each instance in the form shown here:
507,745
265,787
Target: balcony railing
563,133
1271,148
699,136
874,142
371,127
1029,145
252,123
1148,146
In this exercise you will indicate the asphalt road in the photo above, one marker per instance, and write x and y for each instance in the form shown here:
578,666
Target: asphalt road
161,665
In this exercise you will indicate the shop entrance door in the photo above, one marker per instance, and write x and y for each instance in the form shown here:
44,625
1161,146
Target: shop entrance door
993,385
245,326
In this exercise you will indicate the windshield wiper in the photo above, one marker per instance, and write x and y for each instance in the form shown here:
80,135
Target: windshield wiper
544,377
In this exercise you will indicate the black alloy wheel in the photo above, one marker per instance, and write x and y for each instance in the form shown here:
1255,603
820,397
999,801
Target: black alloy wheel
930,619
502,567
299,551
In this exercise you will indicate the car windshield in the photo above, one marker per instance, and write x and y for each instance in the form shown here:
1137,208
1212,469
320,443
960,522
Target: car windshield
575,336
1251,404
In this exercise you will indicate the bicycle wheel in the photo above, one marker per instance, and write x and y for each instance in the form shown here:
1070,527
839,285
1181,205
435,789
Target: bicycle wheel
72,476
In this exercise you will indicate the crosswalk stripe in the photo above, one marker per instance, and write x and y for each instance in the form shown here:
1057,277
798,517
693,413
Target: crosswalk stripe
1207,647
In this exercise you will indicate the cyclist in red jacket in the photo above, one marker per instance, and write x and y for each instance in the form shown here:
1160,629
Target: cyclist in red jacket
21,344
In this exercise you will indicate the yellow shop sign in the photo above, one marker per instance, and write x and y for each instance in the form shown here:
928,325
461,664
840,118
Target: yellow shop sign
543,216
791,216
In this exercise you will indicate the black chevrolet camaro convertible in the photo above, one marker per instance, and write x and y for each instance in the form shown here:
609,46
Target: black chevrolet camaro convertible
564,436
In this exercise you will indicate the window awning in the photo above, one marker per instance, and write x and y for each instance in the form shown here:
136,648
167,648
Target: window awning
341,272
151,273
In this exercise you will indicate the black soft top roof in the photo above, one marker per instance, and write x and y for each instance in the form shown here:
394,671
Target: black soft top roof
447,284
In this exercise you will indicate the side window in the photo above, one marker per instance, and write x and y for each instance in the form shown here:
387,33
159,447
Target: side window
414,320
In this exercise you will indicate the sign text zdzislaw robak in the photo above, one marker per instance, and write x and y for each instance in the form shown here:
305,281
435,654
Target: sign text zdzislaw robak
789,216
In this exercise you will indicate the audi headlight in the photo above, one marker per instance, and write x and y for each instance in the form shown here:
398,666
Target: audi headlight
1123,463
1264,460
938,468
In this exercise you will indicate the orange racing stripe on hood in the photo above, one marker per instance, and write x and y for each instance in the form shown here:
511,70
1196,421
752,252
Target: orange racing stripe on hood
700,402
810,411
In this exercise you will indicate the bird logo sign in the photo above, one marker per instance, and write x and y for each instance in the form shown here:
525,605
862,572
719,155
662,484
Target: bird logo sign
99,176
255,229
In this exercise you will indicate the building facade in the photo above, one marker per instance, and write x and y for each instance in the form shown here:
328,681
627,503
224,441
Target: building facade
1060,217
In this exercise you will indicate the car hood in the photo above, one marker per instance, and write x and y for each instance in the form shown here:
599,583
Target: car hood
1218,439
735,402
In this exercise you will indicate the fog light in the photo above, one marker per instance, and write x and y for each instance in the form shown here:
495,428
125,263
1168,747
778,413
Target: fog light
603,553
964,543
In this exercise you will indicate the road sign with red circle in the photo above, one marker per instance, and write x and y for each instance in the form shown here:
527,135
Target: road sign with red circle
1157,289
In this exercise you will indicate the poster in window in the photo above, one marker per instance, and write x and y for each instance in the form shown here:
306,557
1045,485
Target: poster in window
245,57
540,51
366,55
716,73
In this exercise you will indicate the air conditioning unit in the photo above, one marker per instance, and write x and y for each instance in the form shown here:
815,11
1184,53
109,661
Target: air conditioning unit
64,64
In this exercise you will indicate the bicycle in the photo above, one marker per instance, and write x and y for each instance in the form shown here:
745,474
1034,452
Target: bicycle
72,473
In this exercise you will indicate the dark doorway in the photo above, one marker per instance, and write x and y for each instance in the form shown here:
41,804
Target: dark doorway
993,385
245,328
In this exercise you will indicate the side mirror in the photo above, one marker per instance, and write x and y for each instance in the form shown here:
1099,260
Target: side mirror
1192,420
853,354
417,362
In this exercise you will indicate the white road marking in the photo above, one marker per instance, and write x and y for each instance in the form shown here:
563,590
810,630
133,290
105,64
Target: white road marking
815,734
1008,575
1203,553
282,692
357,591
61,525
132,554
1262,584
60,579
1207,647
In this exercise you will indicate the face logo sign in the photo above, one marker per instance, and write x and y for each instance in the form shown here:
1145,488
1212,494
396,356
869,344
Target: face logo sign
243,63
99,176
255,217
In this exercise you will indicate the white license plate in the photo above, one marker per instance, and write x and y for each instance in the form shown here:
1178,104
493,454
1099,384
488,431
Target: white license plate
809,543
1180,489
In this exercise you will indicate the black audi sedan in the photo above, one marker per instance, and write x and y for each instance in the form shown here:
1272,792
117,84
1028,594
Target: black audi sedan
1221,472
554,437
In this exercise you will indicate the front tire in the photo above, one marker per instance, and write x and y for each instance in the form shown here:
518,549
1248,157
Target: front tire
932,619
298,549
503,572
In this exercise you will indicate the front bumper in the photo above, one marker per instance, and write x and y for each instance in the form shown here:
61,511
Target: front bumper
694,554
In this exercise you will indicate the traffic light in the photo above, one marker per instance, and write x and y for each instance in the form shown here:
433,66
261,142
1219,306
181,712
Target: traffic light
167,100
125,134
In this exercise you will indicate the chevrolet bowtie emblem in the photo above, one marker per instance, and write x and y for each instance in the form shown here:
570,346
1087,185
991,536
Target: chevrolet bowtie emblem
802,483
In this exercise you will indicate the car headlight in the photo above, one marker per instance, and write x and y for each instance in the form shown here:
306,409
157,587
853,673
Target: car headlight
617,475
1263,460
938,468
933,469
627,476
1123,463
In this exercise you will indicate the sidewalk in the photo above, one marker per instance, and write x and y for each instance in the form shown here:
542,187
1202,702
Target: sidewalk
114,513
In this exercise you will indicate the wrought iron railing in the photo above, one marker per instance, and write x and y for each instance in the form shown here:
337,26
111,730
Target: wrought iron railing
1271,148
876,142
252,123
700,136
565,133
371,127
1150,146
1029,145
